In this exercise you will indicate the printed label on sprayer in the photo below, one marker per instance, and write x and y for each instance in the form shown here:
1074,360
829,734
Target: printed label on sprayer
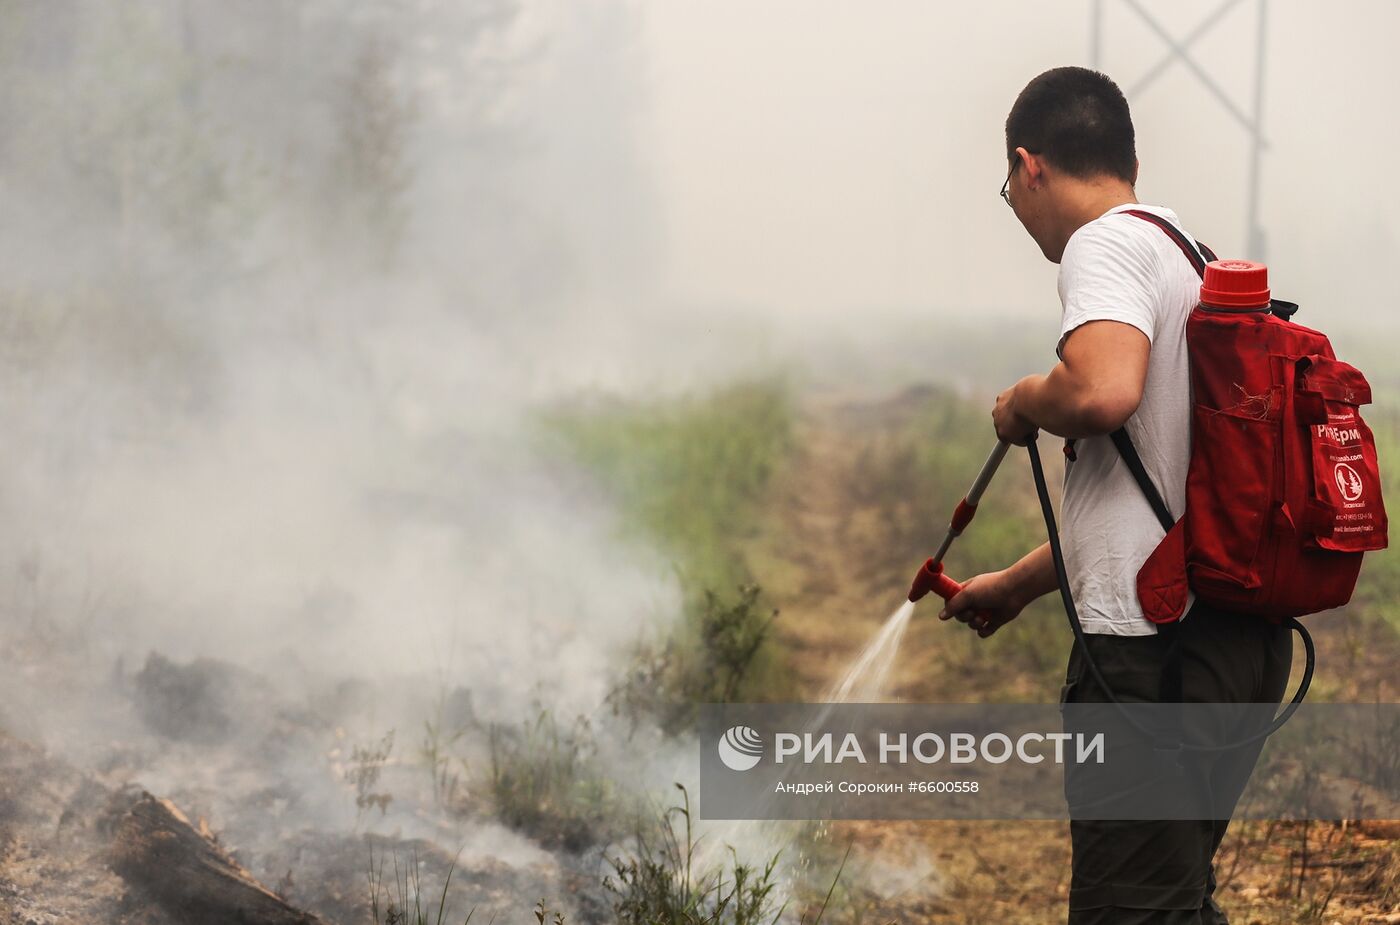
1346,479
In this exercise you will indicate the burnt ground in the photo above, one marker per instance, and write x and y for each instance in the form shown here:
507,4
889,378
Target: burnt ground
251,818
824,556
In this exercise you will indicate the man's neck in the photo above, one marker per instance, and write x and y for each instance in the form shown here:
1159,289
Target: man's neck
1087,200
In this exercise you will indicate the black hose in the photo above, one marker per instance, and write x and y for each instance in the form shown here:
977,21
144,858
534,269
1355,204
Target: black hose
1063,579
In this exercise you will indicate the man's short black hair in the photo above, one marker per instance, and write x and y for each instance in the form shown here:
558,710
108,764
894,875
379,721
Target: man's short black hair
1078,120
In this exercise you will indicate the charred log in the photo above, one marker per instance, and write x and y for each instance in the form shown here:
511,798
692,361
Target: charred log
157,851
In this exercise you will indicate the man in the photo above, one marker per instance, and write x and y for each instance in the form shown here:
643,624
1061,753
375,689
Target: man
1126,291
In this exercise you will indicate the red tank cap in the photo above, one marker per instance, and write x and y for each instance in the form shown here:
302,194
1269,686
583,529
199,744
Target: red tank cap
1235,284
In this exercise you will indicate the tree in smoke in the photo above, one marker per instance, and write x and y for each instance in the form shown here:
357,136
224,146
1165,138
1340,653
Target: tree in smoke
371,174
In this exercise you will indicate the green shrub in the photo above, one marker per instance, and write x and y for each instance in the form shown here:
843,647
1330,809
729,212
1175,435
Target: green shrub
546,782
718,656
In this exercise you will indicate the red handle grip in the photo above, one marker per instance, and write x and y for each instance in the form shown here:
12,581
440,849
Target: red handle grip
931,577
963,515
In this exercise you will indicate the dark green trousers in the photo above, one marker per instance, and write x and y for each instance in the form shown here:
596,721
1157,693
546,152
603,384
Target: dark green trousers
1161,872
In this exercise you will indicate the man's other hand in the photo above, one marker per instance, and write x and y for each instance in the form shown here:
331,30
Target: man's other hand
1011,425
986,603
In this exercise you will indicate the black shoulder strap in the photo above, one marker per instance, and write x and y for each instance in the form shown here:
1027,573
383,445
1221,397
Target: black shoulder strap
1120,437
1134,461
1198,262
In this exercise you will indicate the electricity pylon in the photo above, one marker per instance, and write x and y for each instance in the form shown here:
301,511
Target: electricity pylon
1178,50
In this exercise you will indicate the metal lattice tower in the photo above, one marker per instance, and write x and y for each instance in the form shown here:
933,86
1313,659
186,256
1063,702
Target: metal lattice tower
1178,50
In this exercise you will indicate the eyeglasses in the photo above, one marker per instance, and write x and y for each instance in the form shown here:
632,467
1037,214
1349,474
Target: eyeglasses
1006,187
1015,162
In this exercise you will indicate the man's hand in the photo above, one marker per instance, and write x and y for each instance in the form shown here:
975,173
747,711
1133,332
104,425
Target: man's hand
1011,425
986,603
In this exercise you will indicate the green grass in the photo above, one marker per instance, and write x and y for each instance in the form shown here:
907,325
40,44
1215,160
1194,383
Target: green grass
688,476
686,473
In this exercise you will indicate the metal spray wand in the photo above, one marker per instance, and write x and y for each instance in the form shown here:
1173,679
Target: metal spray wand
931,576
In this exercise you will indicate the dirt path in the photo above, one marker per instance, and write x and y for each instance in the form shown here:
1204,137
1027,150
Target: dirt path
823,558
816,551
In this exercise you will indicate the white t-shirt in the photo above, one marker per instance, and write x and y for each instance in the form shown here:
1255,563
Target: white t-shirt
1123,268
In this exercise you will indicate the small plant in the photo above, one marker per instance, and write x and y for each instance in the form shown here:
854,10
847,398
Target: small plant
659,885
436,752
542,913
663,880
730,637
404,904
366,764
545,782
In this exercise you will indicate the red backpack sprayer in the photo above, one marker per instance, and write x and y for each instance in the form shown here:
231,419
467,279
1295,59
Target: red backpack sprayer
1283,491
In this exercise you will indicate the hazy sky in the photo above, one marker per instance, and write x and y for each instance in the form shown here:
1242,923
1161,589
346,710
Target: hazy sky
819,158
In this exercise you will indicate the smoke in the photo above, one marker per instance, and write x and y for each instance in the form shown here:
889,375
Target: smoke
273,399
285,287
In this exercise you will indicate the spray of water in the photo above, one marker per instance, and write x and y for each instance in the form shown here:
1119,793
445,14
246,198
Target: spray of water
866,679
864,682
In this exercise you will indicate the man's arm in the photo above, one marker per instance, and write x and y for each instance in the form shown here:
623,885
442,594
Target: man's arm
1092,391
988,602
1034,574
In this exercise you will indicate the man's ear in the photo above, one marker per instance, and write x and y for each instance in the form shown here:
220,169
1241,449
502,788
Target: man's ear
1034,167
